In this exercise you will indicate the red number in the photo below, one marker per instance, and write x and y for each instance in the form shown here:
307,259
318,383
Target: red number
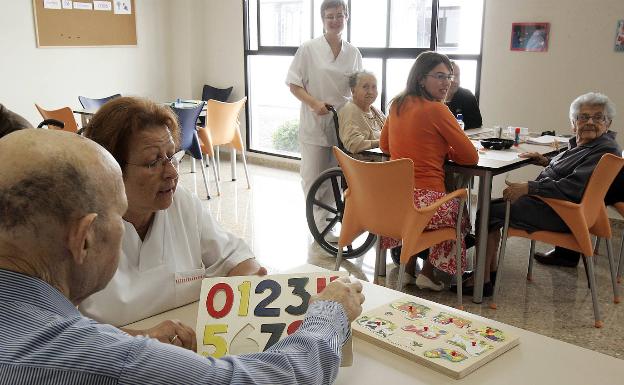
321,282
229,300
293,326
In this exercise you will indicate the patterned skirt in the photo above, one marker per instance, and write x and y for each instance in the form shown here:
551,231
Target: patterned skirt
442,255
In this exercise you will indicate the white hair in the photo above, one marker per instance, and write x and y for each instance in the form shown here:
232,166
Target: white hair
592,99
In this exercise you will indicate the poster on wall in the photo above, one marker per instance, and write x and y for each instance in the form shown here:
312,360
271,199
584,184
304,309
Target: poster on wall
532,37
619,36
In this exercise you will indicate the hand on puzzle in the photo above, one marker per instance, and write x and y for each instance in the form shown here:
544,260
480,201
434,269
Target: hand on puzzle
346,292
167,331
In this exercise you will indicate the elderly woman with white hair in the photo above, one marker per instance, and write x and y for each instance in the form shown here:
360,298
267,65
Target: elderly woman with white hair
359,122
565,176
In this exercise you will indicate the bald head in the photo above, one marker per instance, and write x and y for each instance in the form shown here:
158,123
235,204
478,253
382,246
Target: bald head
52,175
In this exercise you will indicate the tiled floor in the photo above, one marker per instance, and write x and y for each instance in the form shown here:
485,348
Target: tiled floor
271,218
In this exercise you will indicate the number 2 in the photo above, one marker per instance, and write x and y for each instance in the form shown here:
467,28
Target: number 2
261,309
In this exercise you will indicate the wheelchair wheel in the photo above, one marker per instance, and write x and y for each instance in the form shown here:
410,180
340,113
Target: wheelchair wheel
333,180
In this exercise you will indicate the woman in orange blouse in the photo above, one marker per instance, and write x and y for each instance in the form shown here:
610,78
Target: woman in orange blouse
421,127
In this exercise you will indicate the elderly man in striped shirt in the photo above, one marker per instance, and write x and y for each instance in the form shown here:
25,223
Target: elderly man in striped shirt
61,204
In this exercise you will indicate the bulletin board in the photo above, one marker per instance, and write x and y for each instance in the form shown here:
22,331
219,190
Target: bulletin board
63,23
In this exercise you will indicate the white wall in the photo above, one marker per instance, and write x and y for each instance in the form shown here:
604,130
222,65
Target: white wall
54,77
535,89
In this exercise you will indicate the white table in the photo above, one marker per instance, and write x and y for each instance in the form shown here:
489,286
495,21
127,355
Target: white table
537,360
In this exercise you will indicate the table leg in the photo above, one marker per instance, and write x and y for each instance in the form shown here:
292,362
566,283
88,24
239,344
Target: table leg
483,205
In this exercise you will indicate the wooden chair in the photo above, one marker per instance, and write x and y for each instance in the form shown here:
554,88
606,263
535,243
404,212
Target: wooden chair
64,115
222,128
584,220
380,199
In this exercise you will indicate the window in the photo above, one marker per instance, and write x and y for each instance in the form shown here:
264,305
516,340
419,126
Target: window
389,33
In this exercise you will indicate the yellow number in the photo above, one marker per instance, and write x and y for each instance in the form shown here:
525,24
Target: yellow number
243,307
219,343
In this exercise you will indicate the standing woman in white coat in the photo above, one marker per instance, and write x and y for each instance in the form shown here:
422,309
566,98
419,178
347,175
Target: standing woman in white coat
171,242
318,76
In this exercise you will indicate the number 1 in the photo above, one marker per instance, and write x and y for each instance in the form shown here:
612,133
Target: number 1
243,307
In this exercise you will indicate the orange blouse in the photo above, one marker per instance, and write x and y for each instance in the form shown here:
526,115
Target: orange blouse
427,133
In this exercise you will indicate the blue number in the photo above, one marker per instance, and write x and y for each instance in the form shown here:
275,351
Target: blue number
261,309
276,331
298,285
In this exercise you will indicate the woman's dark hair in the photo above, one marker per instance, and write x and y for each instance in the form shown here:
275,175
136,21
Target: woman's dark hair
10,121
117,120
424,63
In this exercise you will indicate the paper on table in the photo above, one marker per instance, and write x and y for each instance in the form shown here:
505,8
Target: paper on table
547,140
498,155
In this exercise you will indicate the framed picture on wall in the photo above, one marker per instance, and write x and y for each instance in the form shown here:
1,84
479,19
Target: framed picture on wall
619,36
529,37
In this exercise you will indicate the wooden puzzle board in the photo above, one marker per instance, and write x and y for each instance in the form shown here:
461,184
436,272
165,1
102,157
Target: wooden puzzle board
249,314
445,341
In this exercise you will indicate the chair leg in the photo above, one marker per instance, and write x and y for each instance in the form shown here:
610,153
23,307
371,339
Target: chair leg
401,275
586,272
233,163
378,262
216,174
620,268
193,165
612,268
592,286
531,255
382,259
458,265
218,155
203,170
596,246
501,258
245,167
338,259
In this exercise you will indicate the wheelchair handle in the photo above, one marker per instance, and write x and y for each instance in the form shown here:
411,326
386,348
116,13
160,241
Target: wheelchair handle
51,122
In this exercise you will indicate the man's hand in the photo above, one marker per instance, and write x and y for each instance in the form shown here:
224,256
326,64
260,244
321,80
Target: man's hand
515,191
248,267
346,292
536,158
319,108
171,332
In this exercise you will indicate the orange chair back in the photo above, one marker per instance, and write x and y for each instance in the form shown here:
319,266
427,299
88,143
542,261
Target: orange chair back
64,115
222,125
380,199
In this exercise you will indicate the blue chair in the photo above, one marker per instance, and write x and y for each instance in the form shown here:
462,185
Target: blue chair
95,104
189,142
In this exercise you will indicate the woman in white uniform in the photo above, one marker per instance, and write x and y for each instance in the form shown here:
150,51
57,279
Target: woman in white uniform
318,76
171,240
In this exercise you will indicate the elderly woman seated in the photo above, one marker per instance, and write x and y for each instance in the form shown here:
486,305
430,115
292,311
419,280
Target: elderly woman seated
565,177
171,241
359,122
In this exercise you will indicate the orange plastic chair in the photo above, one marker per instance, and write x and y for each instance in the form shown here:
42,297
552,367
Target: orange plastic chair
222,128
584,220
380,199
64,115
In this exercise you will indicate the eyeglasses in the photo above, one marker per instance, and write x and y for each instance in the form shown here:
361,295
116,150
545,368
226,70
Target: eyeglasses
338,17
598,118
442,77
160,163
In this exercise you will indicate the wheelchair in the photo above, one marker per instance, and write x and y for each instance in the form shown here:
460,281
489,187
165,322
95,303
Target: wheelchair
334,180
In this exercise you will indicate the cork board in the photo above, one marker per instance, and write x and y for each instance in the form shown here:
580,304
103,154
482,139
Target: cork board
84,23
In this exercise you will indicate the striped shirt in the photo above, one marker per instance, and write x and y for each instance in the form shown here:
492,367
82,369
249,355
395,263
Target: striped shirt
45,340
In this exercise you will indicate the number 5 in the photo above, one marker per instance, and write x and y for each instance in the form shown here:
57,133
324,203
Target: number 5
210,338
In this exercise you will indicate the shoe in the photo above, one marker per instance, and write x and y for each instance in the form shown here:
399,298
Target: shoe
559,256
423,282
468,274
488,289
332,237
395,253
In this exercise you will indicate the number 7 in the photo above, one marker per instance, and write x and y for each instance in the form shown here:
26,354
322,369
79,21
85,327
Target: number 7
276,331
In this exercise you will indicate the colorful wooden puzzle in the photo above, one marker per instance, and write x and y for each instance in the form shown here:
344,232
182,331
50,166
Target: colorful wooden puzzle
249,314
453,344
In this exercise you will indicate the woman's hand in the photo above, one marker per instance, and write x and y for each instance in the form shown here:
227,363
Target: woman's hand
515,191
248,267
319,108
536,158
171,332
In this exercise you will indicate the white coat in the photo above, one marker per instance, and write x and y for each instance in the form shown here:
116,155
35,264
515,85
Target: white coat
183,245
325,78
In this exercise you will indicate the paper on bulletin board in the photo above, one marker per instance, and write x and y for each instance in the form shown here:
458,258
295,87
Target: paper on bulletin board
52,4
68,4
84,6
100,5
122,7
249,314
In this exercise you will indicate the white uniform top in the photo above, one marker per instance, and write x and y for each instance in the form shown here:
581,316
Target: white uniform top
326,79
183,245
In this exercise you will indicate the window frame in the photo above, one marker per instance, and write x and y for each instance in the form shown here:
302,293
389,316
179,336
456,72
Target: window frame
384,54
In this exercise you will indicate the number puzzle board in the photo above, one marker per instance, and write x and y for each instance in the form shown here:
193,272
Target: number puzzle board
249,314
439,339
